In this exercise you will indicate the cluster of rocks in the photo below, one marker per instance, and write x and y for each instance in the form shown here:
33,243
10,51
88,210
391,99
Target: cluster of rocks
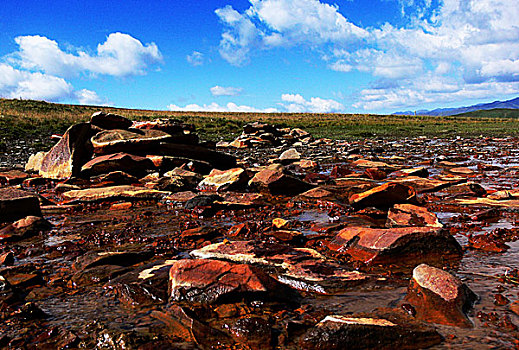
140,226
260,134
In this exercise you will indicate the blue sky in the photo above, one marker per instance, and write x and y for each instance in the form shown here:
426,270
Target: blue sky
353,56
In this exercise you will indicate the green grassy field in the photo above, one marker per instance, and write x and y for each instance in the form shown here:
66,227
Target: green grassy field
36,119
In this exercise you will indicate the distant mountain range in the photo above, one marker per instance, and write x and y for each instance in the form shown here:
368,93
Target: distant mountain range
510,104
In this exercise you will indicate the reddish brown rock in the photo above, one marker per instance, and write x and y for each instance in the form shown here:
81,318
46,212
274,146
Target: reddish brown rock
364,163
254,332
277,182
439,297
94,259
401,245
384,196
23,228
113,178
110,121
224,180
16,204
170,126
403,215
375,174
423,185
467,189
67,157
487,243
6,259
128,163
387,329
419,172
209,281
13,177
113,141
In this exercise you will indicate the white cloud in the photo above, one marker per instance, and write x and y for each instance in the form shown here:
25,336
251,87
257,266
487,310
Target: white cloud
215,107
225,91
89,97
120,55
472,43
195,59
32,85
298,104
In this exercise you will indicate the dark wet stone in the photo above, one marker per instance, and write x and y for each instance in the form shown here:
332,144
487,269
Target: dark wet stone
97,274
128,163
202,201
218,160
6,259
110,258
439,297
30,311
384,196
67,157
13,177
16,204
390,329
24,228
110,121
254,332
114,178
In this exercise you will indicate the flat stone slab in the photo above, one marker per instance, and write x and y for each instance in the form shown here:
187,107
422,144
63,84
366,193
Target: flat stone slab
113,193
117,140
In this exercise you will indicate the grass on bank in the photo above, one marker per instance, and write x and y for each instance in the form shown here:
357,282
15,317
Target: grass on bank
30,120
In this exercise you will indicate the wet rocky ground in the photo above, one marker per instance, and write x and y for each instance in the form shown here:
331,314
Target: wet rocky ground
140,236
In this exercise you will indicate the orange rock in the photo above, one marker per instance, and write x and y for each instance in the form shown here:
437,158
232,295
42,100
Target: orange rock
403,215
121,206
384,196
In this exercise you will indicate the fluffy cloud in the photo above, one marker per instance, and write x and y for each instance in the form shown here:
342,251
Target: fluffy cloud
120,55
195,59
225,91
471,45
215,107
295,103
16,83
89,97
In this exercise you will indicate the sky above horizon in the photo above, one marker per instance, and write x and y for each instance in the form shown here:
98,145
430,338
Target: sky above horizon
348,56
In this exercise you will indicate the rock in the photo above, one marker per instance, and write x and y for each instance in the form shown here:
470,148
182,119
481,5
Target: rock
113,193
171,126
97,274
363,163
400,245
24,228
202,201
6,259
423,185
289,156
487,243
13,177
16,204
114,178
375,174
218,160
277,182
166,163
461,171
300,268
403,215
467,189
33,165
109,121
388,330
113,141
66,158
128,163
384,196
419,172
94,259
317,193
223,180
208,281
439,297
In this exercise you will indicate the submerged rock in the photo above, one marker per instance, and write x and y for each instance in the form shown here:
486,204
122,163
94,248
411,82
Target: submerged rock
439,297
382,330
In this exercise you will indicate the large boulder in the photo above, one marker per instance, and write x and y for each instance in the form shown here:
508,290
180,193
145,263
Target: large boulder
66,158
130,141
439,297
128,163
390,329
209,281
16,204
384,196
399,245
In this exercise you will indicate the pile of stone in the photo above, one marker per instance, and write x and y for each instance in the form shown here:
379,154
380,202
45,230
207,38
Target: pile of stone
260,134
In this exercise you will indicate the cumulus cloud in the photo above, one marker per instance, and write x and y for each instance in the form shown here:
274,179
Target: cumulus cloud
89,97
17,83
225,91
120,55
474,43
295,103
215,107
195,59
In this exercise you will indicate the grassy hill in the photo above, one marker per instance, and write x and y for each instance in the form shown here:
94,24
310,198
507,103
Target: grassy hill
492,113
29,120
